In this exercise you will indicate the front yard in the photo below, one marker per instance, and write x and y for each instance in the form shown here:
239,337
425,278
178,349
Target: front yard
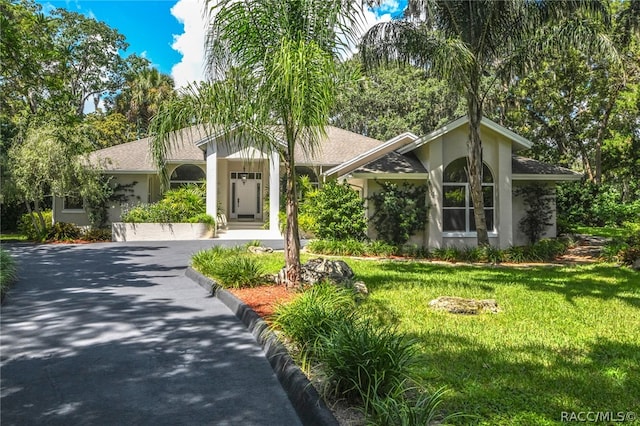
567,339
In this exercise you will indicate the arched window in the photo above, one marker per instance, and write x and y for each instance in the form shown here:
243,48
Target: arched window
186,174
457,205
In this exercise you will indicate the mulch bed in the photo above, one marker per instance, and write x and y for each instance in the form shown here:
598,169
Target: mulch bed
263,299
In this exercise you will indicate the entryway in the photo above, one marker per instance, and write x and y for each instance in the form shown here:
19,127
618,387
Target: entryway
245,195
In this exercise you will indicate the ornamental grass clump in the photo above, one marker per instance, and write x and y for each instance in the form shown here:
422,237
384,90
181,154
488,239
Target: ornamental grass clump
362,360
230,267
314,314
8,271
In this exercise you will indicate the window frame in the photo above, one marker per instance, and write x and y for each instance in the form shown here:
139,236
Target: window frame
73,209
468,205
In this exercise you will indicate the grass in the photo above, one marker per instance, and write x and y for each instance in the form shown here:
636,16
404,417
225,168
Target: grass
7,271
568,338
12,236
604,231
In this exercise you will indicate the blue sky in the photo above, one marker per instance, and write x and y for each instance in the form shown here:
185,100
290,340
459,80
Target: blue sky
170,33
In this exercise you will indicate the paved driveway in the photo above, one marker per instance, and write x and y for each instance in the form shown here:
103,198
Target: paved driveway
115,334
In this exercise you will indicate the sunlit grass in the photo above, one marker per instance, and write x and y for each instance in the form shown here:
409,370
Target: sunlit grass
12,236
604,231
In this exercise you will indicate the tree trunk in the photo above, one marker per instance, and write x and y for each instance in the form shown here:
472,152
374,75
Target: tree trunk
474,164
291,238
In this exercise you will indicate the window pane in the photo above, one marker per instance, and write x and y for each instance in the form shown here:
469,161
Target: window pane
258,198
252,175
73,202
454,196
487,177
456,171
188,172
488,215
487,191
233,175
233,197
454,220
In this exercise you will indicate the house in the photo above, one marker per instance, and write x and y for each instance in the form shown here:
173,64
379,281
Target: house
439,158
243,183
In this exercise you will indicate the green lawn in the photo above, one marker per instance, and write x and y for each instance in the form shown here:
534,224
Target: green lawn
12,236
568,338
604,231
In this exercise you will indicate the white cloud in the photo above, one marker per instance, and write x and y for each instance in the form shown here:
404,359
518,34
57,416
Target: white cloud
190,43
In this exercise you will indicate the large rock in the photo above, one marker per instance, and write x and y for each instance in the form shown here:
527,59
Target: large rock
636,265
459,305
319,270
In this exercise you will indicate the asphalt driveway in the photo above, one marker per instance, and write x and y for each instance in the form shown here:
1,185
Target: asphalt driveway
115,334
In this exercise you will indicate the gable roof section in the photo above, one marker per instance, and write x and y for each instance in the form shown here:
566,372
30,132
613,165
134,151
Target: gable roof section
523,168
371,155
392,163
339,145
518,141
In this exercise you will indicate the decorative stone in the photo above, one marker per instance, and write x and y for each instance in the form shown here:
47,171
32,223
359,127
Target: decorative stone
636,265
259,249
459,305
318,270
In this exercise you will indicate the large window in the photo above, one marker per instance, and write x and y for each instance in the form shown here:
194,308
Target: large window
186,174
457,204
73,203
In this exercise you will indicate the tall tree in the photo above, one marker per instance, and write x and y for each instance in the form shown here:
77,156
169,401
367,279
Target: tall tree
277,64
464,40
392,100
141,96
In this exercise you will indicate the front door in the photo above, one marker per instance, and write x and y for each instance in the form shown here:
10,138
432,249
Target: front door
245,195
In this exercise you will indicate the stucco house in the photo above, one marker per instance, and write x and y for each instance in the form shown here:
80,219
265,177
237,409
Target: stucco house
243,183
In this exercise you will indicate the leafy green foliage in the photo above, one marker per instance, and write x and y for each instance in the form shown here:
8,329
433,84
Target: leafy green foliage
62,231
33,233
351,248
8,271
623,250
399,211
363,359
230,267
314,314
97,234
537,199
338,212
181,205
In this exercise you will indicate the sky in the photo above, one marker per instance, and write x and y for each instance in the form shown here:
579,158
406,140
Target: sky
171,33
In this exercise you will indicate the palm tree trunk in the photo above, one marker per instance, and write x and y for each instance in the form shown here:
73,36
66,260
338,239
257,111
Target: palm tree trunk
474,163
292,237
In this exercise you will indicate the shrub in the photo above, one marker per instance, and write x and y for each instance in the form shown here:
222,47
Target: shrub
230,267
62,231
351,248
182,205
338,212
537,199
400,211
97,234
361,358
25,227
314,314
8,272
403,409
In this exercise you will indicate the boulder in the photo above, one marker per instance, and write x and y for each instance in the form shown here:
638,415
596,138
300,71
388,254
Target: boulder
318,270
459,305
259,249
636,265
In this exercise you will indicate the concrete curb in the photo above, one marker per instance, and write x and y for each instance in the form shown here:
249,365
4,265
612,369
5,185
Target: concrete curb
305,399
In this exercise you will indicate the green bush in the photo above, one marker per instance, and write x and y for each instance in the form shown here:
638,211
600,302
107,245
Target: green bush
230,267
313,314
361,358
351,248
399,211
97,234
338,212
8,272
62,231
623,250
414,407
25,227
181,205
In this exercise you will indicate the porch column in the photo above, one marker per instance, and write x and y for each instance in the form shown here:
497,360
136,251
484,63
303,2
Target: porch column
212,179
505,195
274,191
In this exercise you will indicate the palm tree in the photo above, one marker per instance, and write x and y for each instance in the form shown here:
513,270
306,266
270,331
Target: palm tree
465,41
274,62
144,91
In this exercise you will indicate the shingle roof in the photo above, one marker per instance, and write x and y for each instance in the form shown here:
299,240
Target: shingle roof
394,162
339,146
529,166
136,156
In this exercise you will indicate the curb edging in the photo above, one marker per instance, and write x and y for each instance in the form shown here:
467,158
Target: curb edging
310,407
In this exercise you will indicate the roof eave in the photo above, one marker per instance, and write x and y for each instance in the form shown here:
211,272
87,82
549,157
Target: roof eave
546,177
